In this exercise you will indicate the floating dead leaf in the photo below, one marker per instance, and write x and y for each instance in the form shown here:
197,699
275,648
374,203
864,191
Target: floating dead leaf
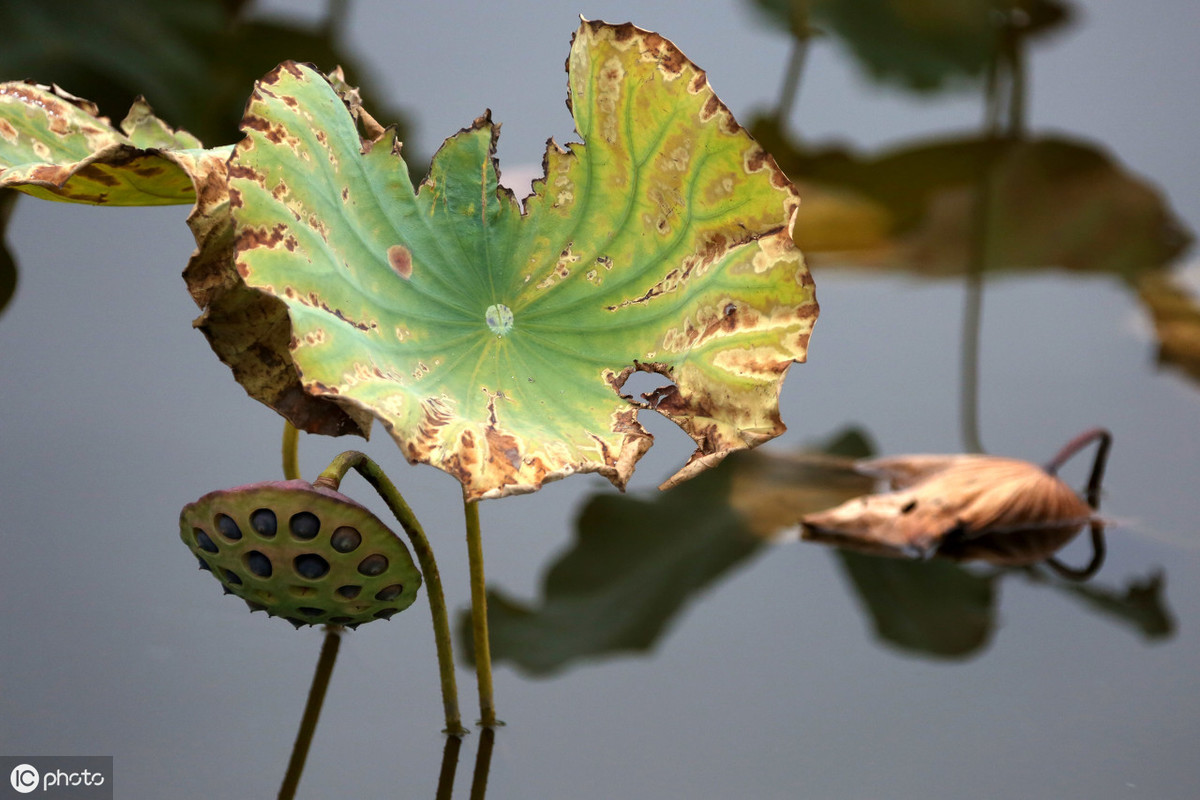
965,507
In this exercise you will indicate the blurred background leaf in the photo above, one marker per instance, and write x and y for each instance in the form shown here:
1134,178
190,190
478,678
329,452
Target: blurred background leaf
1050,202
8,267
195,61
919,45
637,561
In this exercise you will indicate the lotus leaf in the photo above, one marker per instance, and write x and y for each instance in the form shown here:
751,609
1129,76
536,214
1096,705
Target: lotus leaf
493,338
56,146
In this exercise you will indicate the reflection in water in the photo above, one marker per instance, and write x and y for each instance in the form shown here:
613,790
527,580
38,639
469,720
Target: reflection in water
483,764
946,610
312,711
637,562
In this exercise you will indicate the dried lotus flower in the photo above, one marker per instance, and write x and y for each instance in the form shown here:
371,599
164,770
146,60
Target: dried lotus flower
966,507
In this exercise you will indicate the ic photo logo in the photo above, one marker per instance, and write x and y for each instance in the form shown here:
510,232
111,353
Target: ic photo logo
53,777
24,778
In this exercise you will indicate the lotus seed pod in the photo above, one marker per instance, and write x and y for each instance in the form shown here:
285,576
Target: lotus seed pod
308,555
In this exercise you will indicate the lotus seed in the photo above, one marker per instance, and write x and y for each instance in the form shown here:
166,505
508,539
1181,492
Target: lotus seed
349,592
389,592
263,522
228,528
203,542
257,563
345,539
232,577
311,612
311,565
373,565
305,525
386,613
341,620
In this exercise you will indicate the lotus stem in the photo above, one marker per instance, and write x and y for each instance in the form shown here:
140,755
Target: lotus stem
1074,446
291,451
479,622
1099,548
312,711
374,475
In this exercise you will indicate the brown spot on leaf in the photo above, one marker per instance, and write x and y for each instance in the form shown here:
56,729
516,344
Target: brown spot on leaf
251,238
400,259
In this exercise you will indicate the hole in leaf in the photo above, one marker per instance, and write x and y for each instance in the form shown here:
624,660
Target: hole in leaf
264,523
305,525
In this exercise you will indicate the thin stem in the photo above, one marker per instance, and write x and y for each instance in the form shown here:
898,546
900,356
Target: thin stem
479,622
1099,548
969,363
312,711
374,475
791,78
1074,446
291,451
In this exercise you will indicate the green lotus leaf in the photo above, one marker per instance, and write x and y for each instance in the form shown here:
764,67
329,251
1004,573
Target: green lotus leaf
56,146
492,339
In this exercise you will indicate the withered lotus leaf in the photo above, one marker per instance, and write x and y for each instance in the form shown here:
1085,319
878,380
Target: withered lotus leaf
1001,510
56,146
492,338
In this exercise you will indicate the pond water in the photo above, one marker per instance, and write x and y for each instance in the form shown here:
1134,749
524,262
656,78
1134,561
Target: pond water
735,666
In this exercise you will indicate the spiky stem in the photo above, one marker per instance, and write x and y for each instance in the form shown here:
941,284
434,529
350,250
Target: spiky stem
374,475
479,622
312,711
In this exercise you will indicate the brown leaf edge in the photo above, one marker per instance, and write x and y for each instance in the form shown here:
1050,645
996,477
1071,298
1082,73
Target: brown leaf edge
249,330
